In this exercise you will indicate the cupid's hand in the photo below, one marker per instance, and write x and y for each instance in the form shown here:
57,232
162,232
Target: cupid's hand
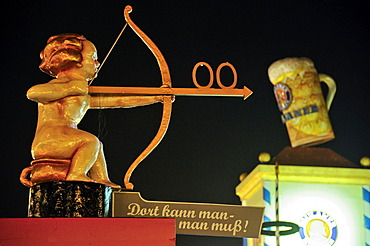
166,87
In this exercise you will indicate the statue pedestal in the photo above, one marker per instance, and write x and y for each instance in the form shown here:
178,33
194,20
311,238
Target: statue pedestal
69,199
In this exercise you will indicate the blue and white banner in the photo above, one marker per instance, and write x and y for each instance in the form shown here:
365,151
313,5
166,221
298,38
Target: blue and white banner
366,199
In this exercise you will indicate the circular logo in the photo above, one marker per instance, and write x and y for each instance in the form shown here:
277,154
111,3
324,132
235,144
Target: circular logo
318,228
283,96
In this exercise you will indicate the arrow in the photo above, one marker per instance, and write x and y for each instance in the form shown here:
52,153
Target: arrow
245,92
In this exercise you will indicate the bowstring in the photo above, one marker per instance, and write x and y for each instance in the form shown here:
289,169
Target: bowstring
102,131
107,55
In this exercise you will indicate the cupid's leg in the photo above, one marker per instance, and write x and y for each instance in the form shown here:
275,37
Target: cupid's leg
83,159
99,172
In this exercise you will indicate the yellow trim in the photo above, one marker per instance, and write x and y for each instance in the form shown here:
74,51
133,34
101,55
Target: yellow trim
301,174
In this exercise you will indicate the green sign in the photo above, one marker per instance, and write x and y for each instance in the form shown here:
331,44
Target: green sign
193,218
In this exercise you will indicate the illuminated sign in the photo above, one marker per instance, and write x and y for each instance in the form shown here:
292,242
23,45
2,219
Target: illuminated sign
330,205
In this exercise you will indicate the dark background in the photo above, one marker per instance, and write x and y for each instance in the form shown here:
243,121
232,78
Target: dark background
210,141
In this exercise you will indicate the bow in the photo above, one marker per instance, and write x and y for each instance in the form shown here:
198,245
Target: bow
167,100
166,90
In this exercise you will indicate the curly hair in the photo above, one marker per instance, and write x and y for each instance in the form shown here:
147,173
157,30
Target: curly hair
61,53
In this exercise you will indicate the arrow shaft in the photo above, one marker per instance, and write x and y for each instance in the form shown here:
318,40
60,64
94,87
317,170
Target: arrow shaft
245,92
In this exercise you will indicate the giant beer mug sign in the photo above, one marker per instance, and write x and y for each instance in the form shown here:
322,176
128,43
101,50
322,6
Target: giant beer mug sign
300,99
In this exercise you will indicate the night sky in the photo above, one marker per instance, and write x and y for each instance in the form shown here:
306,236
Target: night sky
210,141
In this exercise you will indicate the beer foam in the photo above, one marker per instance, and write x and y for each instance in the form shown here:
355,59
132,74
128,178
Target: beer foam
287,67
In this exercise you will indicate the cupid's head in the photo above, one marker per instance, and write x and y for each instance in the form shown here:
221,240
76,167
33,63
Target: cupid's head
66,51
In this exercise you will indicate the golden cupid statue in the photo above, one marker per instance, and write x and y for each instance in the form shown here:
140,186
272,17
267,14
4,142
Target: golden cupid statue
60,150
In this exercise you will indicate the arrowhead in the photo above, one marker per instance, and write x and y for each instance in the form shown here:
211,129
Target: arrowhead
246,92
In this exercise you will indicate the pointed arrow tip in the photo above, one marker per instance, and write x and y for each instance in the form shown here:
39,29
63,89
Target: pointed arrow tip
246,92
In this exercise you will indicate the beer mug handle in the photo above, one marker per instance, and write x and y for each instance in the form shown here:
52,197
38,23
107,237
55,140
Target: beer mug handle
332,88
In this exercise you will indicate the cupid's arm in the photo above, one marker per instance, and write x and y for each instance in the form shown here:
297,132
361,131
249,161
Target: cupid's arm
55,90
102,101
